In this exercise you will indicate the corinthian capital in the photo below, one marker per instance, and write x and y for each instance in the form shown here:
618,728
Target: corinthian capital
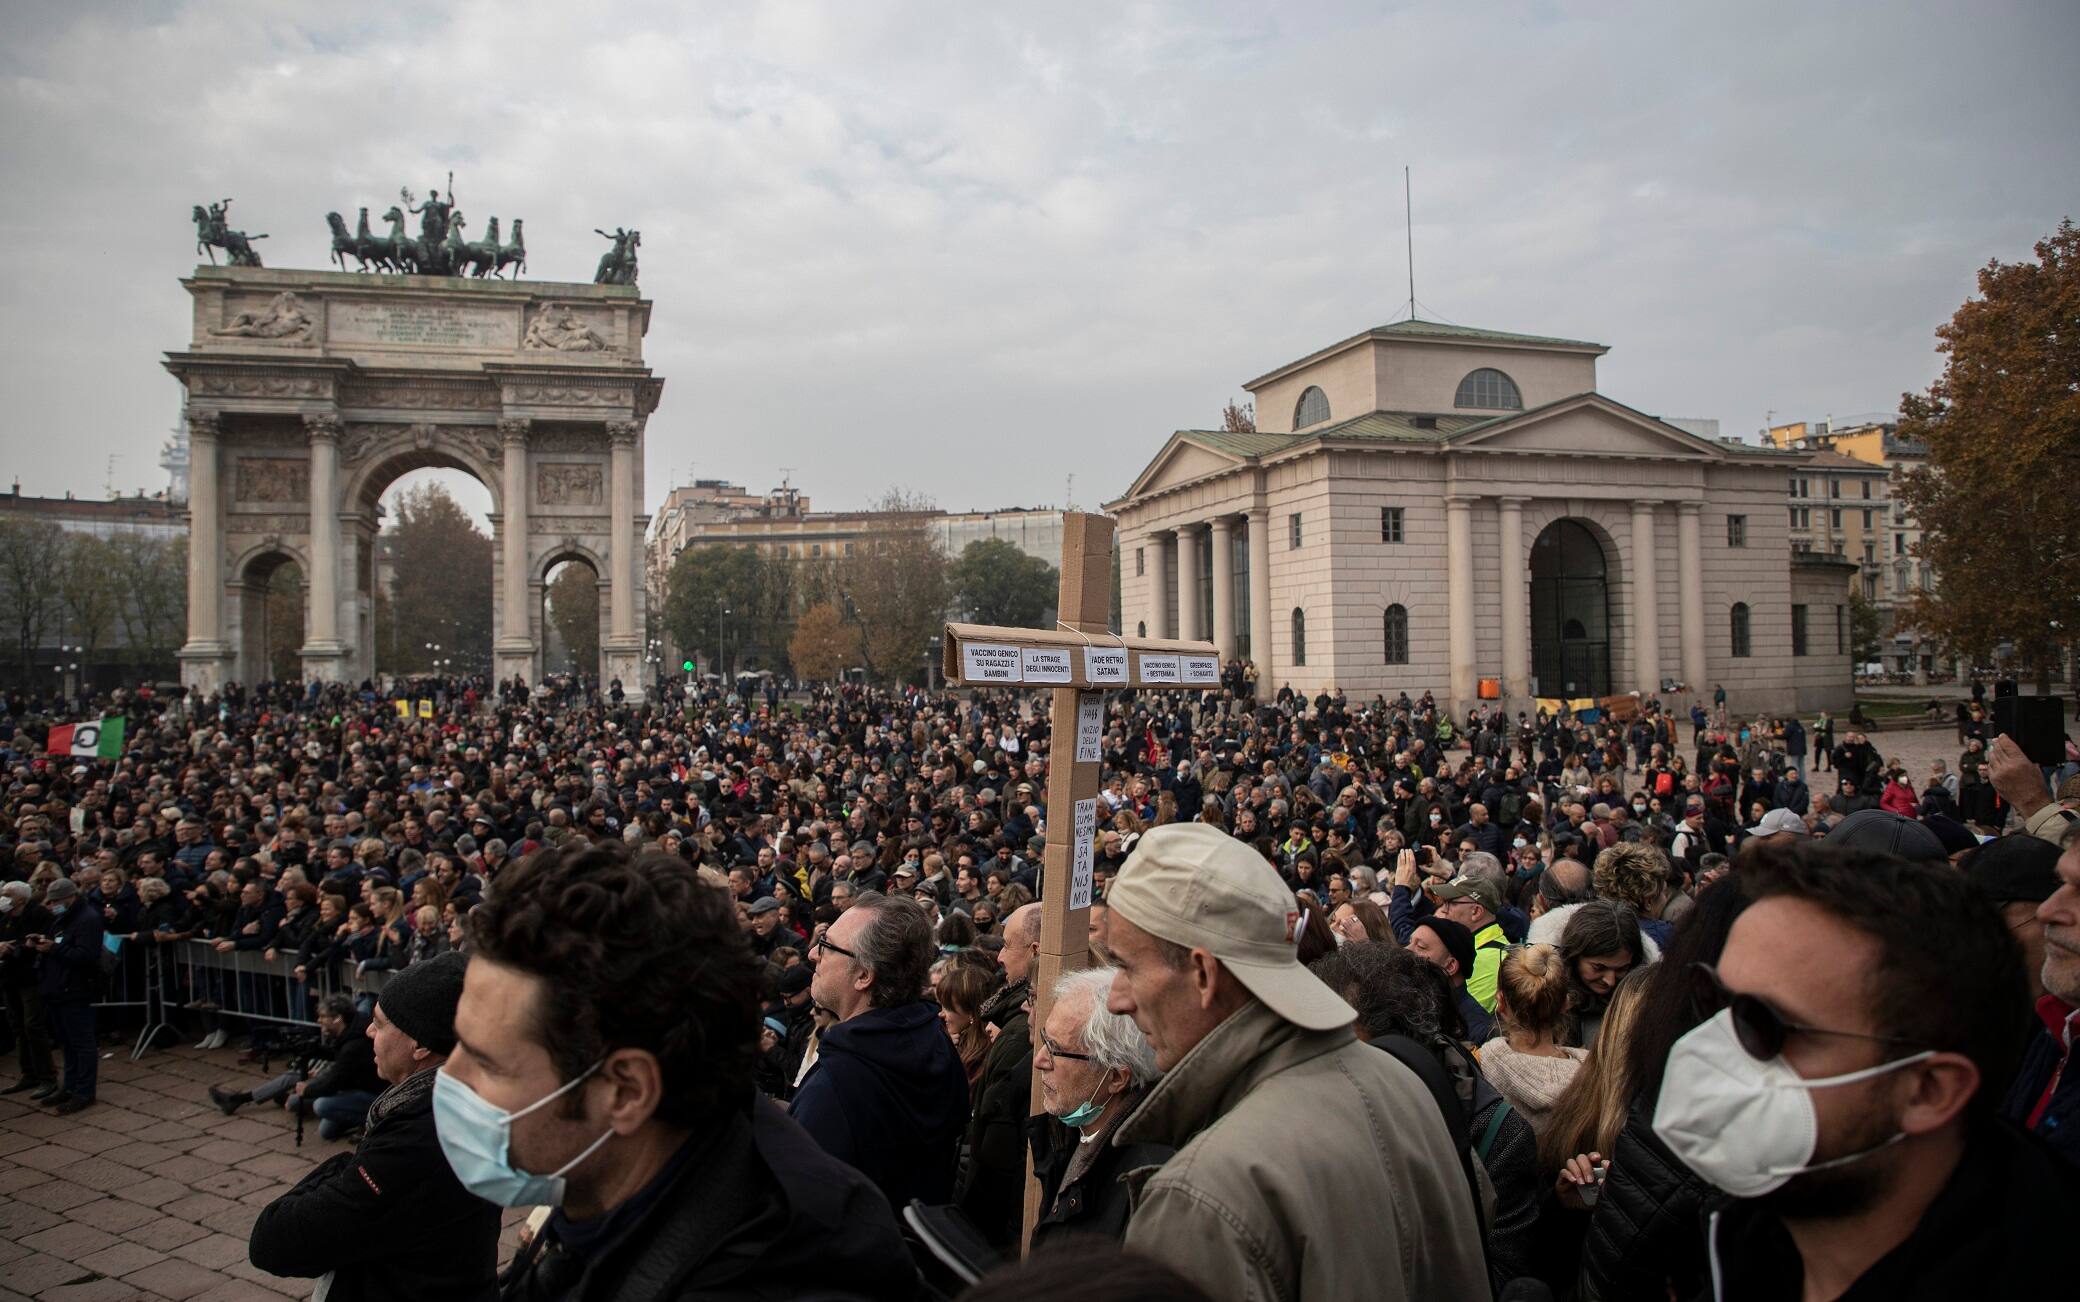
204,424
623,432
513,429
323,425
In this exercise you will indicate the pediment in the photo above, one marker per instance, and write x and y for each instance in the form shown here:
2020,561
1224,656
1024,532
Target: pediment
1180,462
1586,425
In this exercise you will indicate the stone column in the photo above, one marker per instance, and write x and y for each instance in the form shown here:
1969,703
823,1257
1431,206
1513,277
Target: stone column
202,657
1260,601
1690,606
1158,552
322,649
1516,605
1191,625
1458,551
1224,586
1646,603
515,647
623,643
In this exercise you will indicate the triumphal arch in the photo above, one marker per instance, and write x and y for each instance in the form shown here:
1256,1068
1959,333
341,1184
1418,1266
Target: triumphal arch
310,392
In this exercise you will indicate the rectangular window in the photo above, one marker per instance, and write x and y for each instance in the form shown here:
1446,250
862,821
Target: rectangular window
1798,630
1870,553
816,549
1296,528
1390,524
1866,519
1736,531
1834,487
1866,490
1140,561
1794,517
1899,544
1835,518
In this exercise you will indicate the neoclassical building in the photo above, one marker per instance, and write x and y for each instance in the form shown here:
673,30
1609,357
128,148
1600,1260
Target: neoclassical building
1430,507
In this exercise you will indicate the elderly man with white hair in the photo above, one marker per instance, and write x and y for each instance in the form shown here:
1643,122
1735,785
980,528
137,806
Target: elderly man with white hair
1095,1066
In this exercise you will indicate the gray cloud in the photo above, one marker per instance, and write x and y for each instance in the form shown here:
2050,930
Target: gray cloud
972,251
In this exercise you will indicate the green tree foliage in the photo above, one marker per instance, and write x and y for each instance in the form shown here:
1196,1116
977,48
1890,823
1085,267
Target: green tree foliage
821,644
1999,517
283,613
996,583
442,591
1864,629
717,601
574,611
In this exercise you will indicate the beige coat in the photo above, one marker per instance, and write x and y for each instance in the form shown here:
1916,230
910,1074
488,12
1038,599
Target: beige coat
1310,1165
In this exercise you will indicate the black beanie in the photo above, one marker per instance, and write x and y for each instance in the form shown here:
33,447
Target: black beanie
420,1001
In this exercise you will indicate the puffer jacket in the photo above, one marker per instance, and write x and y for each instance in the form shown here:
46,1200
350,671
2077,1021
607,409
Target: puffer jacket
1646,1231
1240,1209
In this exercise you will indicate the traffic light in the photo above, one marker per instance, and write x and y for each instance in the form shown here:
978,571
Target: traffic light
687,666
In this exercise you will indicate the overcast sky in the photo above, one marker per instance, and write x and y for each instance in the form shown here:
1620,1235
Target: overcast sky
974,249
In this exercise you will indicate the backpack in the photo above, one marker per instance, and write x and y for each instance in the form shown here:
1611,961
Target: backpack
1431,1072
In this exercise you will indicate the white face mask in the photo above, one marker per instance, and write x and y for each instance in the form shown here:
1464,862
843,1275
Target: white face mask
1747,1125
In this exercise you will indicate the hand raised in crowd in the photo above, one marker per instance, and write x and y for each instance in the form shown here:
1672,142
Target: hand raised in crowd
1405,869
2019,782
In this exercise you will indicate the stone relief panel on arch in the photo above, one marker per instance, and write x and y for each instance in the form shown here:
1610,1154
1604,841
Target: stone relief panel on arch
271,479
568,483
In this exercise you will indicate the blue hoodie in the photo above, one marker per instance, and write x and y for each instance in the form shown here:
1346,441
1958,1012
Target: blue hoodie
889,1098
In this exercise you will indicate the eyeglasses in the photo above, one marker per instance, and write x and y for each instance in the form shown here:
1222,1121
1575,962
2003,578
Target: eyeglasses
1760,1028
824,942
1057,1051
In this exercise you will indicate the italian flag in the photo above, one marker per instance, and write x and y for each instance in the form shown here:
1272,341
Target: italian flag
94,739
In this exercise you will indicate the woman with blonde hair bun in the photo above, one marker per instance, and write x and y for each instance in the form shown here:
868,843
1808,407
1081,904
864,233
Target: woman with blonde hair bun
1529,1063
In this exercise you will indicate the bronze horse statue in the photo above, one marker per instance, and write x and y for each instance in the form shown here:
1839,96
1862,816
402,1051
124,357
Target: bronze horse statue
363,246
400,250
211,233
480,257
513,255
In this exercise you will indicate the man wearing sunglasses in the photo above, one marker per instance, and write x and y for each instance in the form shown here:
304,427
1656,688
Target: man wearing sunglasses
1860,1025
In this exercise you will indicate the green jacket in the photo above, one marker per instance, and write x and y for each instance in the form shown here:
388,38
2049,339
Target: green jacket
1310,1164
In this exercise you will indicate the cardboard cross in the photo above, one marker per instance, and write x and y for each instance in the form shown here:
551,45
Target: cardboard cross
1079,659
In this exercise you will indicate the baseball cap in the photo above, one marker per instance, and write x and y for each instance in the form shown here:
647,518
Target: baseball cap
1778,820
1880,831
2014,869
1194,885
1479,889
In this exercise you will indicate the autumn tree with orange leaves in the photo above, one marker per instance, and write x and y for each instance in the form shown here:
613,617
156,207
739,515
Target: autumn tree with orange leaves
1999,499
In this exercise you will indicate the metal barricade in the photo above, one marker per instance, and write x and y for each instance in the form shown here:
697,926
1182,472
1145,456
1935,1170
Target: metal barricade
138,981
244,983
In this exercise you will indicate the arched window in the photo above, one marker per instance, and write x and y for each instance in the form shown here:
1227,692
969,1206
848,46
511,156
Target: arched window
1489,388
1299,636
1396,624
1141,629
1740,629
1312,409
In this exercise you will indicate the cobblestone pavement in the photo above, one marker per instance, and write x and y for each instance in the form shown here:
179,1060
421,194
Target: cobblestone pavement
151,1192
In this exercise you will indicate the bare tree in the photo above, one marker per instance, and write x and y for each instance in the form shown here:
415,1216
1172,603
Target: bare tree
896,583
30,553
1239,418
87,592
152,575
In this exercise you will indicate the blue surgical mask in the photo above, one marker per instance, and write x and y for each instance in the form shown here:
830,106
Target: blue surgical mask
475,1137
1085,1112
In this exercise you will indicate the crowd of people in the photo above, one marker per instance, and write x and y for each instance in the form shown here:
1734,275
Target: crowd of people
1382,1001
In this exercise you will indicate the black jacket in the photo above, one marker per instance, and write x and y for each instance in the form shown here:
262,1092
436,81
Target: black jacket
388,1220
992,1187
888,1097
18,969
1646,1230
71,969
1097,1202
750,1209
351,1065
2046,1060
1993,1232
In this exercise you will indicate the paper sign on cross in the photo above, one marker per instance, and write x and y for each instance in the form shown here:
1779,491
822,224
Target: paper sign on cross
1080,659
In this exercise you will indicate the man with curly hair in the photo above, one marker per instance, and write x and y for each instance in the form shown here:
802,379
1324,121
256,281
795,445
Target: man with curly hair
606,1042
1635,873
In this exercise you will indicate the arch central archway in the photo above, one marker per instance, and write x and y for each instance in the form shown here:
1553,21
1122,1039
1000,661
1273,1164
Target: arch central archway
1570,612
